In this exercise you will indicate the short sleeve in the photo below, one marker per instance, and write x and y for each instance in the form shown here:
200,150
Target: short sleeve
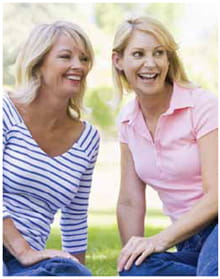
122,135
122,123
205,113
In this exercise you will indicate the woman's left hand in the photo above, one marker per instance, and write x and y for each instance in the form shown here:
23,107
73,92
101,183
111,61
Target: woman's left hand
137,249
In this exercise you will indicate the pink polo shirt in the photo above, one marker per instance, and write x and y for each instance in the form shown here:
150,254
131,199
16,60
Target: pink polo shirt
171,163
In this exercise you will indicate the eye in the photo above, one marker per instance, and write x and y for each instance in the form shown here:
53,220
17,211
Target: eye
137,54
65,56
84,58
159,52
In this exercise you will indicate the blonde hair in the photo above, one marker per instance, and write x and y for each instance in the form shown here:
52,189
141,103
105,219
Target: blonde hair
38,44
152,26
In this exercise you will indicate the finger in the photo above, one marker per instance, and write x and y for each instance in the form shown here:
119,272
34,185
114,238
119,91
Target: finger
132,259
143,256
122,261
123,258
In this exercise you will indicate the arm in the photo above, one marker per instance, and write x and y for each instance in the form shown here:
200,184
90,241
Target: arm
201,214
21,250
206,209
81,257
74,216
13,240
131,202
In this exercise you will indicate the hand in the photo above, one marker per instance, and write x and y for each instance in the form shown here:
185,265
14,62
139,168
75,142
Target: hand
31,256
137,249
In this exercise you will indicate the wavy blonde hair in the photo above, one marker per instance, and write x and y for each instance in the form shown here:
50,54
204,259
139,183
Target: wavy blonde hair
152,26
29,59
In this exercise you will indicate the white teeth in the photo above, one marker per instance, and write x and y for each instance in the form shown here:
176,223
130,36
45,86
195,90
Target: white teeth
74,77
147,75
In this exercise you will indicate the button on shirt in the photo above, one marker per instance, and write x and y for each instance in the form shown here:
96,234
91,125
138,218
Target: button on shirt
170,163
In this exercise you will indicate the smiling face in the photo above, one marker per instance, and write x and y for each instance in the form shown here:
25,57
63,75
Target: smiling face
64,68
144,63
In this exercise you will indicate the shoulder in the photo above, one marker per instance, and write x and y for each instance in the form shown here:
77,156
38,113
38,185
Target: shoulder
92,131
204,111
90,138
10,114
127,112
202,96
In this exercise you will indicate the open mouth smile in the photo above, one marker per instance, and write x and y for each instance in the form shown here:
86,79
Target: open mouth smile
74,77
148,76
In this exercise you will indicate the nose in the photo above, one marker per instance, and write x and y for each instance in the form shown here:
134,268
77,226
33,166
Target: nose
76,63
149,61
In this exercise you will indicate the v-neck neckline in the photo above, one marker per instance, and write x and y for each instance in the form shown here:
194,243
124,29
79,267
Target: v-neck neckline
75,143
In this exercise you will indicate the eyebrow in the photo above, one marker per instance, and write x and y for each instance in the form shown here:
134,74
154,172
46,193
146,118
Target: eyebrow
70,51
141,48
65,49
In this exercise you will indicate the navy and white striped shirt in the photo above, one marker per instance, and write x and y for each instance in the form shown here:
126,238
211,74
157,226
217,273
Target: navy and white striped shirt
36,185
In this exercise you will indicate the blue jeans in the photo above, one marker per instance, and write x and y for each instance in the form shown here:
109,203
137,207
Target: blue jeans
52,267
196,256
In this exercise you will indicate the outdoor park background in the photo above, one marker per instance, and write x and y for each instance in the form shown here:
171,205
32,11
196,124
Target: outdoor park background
194,25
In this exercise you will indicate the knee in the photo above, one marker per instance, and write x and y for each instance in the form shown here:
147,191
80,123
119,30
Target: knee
67,267
208,258
149,267
210,268
5,270
135,270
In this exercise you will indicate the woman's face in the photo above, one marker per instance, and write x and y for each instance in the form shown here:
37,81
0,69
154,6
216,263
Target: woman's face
145,63
65,67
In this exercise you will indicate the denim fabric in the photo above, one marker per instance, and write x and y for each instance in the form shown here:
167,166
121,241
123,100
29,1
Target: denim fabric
196,256
52,267
208,261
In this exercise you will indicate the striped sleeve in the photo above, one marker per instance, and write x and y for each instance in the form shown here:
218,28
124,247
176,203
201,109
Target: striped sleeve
9,119
74,216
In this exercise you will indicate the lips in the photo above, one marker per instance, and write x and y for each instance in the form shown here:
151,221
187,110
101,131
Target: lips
148,76
74,77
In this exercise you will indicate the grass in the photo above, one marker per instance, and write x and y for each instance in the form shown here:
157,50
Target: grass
104,243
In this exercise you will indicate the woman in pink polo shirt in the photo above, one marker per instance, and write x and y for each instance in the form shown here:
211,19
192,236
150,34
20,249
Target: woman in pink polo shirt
168,136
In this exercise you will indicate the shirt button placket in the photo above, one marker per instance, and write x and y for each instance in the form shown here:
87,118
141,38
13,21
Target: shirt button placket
158,151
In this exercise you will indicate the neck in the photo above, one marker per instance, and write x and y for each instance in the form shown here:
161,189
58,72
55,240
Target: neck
153,106
47,111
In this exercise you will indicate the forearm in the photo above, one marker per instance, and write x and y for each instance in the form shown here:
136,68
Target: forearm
13,240
130,221
202,214
81,257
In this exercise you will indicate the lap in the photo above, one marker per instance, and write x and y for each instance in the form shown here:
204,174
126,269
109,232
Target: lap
208,258
195,256
180,263
51,267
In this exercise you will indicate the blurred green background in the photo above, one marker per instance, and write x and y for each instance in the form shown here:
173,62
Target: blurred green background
195,27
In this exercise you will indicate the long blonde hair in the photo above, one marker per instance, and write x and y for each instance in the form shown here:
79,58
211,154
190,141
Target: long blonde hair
152,26
29,59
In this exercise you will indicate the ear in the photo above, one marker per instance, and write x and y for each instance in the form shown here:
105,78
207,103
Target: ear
117,61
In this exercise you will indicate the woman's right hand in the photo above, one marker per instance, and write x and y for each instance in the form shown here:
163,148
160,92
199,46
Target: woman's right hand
31,256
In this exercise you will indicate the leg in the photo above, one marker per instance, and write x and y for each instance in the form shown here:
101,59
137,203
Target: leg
52,267
182,263
208,258
4,270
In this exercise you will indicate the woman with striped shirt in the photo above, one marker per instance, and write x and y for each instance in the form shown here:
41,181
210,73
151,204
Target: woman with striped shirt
49,154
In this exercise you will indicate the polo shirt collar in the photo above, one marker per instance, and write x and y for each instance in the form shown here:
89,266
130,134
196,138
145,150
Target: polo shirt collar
181,98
